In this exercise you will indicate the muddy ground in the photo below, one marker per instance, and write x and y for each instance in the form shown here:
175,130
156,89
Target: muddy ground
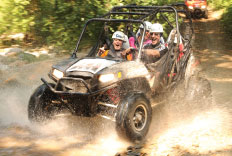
207,132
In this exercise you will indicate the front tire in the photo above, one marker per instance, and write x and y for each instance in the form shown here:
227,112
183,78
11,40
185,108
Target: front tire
198,13
40,104
133,117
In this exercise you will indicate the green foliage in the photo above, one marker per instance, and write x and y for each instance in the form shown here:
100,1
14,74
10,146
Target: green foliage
219,4
227,19
227,15
60,22
14,16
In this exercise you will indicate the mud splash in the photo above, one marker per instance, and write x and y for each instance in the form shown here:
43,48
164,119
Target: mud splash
61,138
205,133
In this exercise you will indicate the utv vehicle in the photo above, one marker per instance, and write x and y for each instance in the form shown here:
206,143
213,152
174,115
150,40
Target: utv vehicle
197,8
117,89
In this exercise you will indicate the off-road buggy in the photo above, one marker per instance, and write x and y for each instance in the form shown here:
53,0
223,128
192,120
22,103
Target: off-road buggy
118,89
197,8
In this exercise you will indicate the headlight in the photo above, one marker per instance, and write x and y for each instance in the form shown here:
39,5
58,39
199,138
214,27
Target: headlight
58,74
190,7
203,7
106,78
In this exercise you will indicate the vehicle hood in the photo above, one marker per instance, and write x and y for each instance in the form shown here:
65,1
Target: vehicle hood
65,64
90,65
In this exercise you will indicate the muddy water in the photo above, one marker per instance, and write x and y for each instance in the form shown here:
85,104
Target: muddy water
176,129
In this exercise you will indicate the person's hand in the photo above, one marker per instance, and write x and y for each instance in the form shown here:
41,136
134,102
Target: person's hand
101,51
126,51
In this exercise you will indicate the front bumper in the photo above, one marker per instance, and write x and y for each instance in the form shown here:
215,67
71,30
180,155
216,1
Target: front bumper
198,9
88,93
79,103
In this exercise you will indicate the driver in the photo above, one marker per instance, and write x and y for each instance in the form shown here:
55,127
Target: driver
116,49
153,51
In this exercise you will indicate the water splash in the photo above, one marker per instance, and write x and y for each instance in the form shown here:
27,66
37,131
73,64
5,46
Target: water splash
208,132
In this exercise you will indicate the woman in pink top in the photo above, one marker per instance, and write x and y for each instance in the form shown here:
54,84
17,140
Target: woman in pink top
139,36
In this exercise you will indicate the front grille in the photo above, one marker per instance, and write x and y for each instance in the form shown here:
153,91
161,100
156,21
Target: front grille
76,85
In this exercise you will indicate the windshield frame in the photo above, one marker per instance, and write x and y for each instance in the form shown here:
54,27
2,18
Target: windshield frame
113,21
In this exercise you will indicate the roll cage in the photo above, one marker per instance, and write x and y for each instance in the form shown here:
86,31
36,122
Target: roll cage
137,14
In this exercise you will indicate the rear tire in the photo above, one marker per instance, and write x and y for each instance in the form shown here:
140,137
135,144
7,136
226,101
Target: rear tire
40,106
133,117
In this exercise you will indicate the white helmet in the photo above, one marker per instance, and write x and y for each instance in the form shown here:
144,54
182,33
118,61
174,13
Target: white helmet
148,25
156,27
119,35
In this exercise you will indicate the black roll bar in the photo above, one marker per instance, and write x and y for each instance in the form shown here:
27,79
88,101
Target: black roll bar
147,11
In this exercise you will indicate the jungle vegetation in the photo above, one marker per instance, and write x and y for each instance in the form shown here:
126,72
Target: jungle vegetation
59,22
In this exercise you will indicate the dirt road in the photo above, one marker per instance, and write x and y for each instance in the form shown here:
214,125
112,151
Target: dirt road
205,133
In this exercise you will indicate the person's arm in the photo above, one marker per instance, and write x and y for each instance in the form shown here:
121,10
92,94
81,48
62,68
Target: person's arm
152,52
156,52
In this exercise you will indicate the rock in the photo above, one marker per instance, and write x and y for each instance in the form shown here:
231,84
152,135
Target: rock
132,151
12,51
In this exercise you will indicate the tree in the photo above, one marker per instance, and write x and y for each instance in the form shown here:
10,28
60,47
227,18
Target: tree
14,17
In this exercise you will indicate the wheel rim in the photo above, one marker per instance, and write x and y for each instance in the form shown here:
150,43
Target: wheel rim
140,117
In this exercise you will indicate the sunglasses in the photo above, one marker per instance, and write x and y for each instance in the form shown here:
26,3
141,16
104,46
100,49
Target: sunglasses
156,34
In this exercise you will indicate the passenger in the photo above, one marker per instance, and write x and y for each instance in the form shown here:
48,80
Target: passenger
116,50
153,51
147,40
